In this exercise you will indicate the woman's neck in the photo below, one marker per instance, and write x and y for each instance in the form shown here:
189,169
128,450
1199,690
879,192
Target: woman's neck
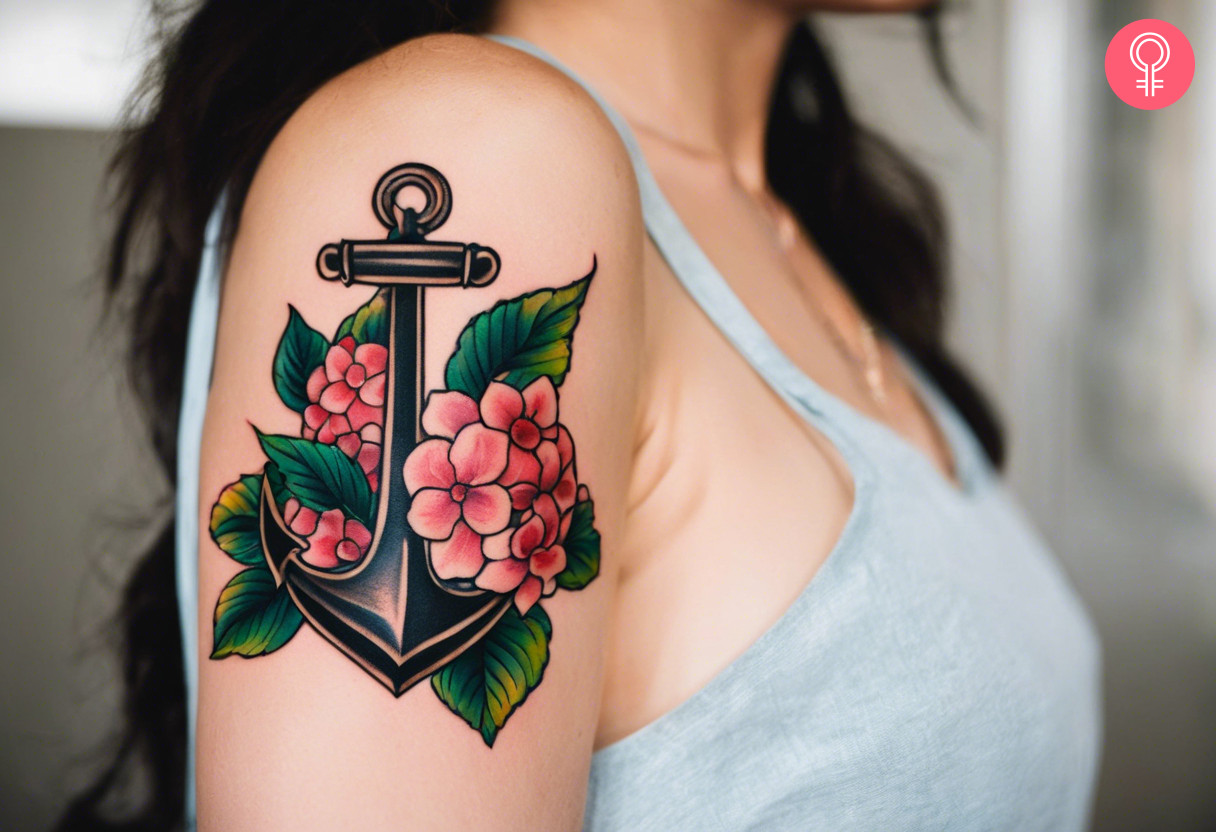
696,73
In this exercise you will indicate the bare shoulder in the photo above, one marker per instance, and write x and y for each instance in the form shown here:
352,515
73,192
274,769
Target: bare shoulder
459,102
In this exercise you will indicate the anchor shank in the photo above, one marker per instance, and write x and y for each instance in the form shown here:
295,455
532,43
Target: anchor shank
389,612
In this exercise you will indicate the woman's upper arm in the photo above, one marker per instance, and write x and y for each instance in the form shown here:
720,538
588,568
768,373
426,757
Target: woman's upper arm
354,555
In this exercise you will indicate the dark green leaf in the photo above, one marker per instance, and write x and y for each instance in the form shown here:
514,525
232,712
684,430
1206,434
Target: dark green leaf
234,520
320,476
278,485
582,548
518,340
369,323
301,350
253,616
486,683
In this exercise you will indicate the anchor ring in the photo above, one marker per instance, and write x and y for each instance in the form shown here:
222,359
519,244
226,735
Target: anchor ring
424,177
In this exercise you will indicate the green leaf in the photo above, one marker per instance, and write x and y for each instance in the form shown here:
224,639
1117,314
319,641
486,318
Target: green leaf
519,339
278,485
253,616
369,323
301,350
234,520
486,683
582,548
320,476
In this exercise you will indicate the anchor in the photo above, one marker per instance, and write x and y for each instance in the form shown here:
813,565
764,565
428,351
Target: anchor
390,613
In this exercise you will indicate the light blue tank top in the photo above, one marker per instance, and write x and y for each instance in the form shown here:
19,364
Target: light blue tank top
938,673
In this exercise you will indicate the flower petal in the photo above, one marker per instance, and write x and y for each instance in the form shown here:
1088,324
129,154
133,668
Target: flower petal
349,444
479,454
373,357
550,465
356,531
447,411
546,509
527,594
546,563
527,537
487,508
316,383
372,391
320,558
540,402
337,397
566,489
337,360
369,457
433,513
522,466
355,375
323,543
501,405
565,526
315,415
498,546
459,556
348,551
362,414
502,575
522,495
427,466
339,424
565,446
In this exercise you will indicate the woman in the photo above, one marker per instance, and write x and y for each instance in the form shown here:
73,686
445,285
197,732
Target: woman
661,521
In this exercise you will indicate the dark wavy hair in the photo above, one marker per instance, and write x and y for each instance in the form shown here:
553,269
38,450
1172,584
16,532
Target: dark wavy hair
228,76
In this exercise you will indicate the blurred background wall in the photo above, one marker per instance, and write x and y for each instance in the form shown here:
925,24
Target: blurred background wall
1085,300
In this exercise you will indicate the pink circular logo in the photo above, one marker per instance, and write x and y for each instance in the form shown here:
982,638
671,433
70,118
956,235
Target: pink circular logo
1150,64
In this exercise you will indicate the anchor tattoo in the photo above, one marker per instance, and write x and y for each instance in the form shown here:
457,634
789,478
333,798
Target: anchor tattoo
416,533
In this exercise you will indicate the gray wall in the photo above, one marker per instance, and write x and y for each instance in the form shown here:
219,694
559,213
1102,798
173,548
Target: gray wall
74,472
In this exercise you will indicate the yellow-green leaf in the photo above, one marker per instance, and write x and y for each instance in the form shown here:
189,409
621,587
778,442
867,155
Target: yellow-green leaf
234,520
486,683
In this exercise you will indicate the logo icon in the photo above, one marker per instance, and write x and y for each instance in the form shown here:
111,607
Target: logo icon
1150,83
1150,64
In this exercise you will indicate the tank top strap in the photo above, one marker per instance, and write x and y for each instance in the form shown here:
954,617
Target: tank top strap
706,285
196,385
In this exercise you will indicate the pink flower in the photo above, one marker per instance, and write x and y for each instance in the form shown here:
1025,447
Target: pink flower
456,500
347,410
528,418
527,558
333,538
525,415
512,451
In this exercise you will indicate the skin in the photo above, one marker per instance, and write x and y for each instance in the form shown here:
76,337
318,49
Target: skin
702,476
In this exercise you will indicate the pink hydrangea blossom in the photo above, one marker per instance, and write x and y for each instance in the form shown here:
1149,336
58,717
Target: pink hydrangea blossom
347,403
528,418
505,456
333,538
456,500
527,558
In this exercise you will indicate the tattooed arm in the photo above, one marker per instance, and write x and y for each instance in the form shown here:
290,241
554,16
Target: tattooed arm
416,441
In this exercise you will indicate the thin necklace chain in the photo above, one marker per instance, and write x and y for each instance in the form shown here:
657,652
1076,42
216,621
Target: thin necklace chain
866,359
